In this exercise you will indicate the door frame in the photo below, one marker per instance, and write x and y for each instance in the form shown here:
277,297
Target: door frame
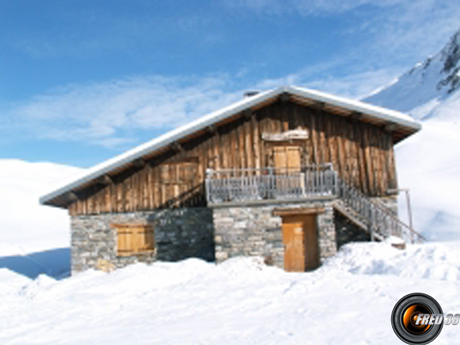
297,212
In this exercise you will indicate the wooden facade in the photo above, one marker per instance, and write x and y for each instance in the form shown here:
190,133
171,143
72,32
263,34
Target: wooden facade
361,153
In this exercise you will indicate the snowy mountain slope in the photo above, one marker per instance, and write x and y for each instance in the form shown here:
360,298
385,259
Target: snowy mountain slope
348,301
434,79
25,226
429,162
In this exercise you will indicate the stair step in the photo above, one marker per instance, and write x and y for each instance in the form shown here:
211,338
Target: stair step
356,206
350,214
356,218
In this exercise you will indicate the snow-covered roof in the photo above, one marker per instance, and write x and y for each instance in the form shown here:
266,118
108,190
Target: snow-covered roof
169,138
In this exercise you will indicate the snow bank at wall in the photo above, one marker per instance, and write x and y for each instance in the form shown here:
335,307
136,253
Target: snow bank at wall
427,261
242,301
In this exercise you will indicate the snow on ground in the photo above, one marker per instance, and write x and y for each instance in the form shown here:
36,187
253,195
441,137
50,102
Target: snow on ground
429,161
348,301
33,238
429,165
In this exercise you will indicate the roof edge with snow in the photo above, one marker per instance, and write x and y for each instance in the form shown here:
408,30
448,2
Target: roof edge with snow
174,135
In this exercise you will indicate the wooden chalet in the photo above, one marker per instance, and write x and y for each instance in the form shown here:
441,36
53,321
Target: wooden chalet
288,174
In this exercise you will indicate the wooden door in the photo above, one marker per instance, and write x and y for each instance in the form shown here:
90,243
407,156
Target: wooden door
300,243
287,160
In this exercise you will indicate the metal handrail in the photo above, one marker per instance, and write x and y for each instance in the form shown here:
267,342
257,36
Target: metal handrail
379,218
307,182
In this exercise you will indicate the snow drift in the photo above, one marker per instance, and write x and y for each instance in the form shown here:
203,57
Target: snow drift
241,301
34,239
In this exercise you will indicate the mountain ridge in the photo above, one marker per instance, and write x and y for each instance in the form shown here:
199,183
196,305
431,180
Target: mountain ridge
434,80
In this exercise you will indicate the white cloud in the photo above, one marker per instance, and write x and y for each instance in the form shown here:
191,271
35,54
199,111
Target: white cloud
109,113
307,7
413,29
393,32
355,85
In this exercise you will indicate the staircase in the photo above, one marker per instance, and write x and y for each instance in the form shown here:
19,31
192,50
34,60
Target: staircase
311,182
375,218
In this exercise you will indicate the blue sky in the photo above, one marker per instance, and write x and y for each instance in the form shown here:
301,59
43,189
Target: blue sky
82,81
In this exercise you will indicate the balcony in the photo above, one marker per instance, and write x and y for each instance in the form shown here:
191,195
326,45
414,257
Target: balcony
240,186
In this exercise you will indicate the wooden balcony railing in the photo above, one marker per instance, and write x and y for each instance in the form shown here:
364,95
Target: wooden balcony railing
245,185
309,182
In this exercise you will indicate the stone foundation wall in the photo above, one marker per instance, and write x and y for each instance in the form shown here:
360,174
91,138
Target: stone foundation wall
179,234
211,234
254,231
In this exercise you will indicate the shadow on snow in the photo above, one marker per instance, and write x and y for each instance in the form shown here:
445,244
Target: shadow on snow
54,263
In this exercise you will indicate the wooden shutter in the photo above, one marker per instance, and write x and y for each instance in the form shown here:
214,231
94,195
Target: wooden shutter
287,159
176,179
134,239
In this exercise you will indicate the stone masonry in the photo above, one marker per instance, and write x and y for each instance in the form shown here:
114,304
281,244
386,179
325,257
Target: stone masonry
179,234
211,234
255,231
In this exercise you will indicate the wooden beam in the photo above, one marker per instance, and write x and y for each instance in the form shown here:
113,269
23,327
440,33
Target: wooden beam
104,180
212,129
139,163
391,127
131,225
285,97
293,211
247,114
71,196
319,105
356,116
176,146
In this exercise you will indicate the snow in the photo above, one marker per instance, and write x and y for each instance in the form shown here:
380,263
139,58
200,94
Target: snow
242,301
433,80
428,162
34,239
212,118
429,165
429,261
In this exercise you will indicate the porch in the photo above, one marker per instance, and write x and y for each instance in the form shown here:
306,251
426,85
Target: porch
243,186
237,187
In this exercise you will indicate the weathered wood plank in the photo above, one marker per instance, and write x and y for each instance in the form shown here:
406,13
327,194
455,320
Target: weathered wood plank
361,153
256,141
368,161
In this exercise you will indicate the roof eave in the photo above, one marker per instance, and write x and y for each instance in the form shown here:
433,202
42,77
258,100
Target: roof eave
217,116
161,141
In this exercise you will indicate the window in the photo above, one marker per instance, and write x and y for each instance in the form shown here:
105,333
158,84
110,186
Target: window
133,239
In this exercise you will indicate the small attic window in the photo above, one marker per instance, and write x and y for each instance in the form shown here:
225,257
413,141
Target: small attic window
134,239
